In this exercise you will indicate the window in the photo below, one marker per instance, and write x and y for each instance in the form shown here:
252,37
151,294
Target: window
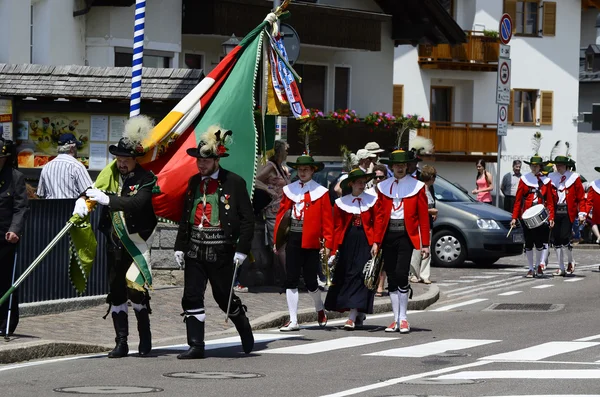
524,106
152,58
342,88
314,85
194,61
398,105
527,15
589,62
448,6
441,104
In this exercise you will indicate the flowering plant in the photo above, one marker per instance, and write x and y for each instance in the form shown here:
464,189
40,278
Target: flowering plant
343,117
380,120
411,121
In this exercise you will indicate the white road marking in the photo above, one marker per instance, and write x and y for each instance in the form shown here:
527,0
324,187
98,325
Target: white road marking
539,352
509,293
543,286
496,273
527,374
329,345
482,287
518,270
460,281
478,277
588,338
573,280
455,305
432,348
445,284
491,283
395,381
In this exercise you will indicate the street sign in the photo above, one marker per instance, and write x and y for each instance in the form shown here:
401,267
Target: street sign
502,120
506,27
504,51
503,89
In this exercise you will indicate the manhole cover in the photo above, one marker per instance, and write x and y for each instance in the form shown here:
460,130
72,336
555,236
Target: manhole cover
213,375
108,390
443,382
453,354
526,307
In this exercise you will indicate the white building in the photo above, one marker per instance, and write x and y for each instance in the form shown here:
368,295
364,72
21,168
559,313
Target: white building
455,88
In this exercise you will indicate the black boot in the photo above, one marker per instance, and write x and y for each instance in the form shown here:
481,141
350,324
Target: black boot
195,338
143,326
242,324
122,330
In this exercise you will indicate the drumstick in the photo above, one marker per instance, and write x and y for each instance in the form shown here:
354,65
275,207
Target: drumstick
511,228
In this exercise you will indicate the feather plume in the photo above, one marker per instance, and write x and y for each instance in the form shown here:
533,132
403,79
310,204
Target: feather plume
400,133
212,138
348,158
536,143
308,134
420,144
554,149
137,128
568,152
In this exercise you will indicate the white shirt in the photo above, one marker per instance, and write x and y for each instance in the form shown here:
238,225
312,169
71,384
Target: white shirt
63,178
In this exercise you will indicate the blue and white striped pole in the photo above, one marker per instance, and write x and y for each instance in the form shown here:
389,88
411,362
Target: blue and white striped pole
138,56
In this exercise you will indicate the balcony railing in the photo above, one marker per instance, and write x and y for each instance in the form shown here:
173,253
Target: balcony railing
479,53
461,138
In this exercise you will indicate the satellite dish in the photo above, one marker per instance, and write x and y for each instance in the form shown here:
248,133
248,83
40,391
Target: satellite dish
291,42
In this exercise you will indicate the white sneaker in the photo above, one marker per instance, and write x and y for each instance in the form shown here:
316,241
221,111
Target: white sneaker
394,327
240,288
289,327
321,283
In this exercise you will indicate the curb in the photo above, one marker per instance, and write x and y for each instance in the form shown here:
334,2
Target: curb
60,305
46,349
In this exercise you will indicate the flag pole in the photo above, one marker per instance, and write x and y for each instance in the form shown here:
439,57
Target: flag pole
138,56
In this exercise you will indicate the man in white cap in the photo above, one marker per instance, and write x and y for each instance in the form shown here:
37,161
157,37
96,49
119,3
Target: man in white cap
365,163
374,148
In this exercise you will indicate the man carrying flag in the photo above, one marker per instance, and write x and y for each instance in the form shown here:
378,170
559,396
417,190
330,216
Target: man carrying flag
215,232
125,189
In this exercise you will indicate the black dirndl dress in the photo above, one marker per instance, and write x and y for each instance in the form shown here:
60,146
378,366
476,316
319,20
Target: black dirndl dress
348,290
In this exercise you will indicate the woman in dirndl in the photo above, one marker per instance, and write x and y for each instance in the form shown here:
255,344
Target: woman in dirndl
354,238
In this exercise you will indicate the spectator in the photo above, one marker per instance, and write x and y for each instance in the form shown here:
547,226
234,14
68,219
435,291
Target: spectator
272,178
64,177
509,185
365,159
13,211
374,148
484,183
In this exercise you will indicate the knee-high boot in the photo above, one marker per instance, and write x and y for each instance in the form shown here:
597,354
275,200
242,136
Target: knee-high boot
242,324
122,330
195,338
143,326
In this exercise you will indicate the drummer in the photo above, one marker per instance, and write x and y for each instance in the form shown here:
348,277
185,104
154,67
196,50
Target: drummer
534,189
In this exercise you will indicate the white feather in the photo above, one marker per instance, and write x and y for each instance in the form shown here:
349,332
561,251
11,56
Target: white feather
138,128
422,144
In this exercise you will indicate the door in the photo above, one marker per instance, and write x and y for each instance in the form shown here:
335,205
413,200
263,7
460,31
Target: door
441,104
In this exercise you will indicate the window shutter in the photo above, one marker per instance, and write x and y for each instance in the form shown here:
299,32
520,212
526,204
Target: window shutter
547,105
398,106
549,22
510,117
510,8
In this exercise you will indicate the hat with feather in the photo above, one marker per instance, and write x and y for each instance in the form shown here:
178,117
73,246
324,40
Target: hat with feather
566,158
536,143
212,143
135,131
419,145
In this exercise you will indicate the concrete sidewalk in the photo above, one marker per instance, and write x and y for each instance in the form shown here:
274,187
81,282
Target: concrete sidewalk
84,331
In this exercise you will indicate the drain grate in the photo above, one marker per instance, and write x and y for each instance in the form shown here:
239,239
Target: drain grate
526,307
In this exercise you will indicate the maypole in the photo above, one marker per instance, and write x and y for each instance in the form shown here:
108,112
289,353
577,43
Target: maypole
138,56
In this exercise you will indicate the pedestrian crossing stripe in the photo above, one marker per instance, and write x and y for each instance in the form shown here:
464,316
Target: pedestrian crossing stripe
509,293
433,348
329,345
573,280
525,374
540,352
543,286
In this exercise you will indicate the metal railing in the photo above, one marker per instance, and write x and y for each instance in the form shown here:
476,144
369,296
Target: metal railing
477,49
451,137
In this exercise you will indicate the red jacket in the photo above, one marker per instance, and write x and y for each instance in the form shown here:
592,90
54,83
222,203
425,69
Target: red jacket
343,213
416,211
573,190
318,217
593,201
526,192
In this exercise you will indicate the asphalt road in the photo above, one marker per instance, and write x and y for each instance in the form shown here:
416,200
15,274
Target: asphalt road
460,346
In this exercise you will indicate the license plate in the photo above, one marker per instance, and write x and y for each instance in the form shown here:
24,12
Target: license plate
518,238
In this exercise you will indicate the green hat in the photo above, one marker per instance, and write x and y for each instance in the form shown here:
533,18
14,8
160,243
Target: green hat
563,160
355,174
547,168
306,160
535,160
400,157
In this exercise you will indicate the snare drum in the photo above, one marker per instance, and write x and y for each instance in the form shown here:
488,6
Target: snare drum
535,216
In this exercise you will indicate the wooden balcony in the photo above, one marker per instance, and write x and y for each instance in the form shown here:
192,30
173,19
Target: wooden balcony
456,140
479,53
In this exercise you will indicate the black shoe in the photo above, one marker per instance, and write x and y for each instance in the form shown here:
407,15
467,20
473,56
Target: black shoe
143,325
242,324
195,338
122,330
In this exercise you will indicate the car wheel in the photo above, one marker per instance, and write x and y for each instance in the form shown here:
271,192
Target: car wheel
449,249
486,261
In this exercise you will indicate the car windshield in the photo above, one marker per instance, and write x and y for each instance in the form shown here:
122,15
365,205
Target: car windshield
449,192
324,177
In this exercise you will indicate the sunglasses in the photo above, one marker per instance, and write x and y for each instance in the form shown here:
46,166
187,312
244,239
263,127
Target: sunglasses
381,177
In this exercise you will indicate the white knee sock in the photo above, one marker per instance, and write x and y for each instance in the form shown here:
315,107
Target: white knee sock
395,303
569,250
529,255
119,308
198,313
544,255
403,299
292,301
539,257
560,257
352,315
138,307
316,295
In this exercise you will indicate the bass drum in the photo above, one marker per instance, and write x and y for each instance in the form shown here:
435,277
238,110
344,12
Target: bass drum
535,216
